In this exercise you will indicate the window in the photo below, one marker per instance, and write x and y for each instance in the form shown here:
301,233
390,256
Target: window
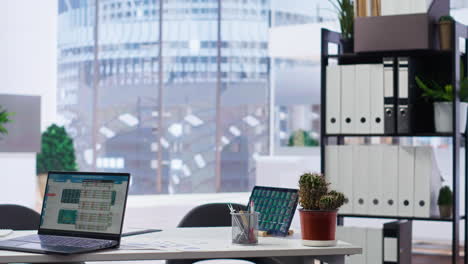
193,118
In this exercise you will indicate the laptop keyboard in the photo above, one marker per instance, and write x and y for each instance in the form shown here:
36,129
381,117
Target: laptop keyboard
66,241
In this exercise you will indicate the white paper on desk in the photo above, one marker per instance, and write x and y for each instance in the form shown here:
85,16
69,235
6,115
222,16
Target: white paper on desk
163,245
136,246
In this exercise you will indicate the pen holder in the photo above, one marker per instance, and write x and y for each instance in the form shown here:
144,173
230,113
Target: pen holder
245,228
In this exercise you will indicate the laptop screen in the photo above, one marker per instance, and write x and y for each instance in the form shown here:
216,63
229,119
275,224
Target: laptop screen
88,202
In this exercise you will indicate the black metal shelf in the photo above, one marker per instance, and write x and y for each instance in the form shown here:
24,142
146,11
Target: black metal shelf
381,54
393,135
432,219
448,60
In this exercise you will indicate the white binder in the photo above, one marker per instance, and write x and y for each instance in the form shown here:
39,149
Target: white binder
377,99
332,165
390,181
361,180
389,96
390,249
420,6
343,234
374,245
388,7
362,99
375,160
403,107
405,181
358,237
347,99
333,99
345,178
403,7
427,182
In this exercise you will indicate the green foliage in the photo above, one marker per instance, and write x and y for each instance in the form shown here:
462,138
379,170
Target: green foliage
57,151
345,12
5,117
445,196
434,91
446,18
332,201
314,193
302,138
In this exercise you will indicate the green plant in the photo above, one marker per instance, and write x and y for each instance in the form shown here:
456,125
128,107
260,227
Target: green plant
57,151
301,138
446,19
445,196
433,90
345,12
5,117
314,193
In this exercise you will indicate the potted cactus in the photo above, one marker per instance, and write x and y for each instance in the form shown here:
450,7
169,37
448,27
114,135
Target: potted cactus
445,202
319,210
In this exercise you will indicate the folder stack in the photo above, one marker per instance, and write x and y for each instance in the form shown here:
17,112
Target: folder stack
360,90
385,180
404,7
365,8
370,239
370,99
390,243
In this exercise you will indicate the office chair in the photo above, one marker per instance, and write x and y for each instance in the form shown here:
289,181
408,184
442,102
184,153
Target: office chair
18,217
215,215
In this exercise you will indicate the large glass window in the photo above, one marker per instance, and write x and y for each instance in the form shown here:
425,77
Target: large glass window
174,92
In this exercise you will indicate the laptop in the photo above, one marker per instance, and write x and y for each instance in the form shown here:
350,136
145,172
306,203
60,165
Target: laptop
81,212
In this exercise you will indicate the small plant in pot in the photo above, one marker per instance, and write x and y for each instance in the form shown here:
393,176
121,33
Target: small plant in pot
57,154
442,98
445,32
5,118
445,202
345,12
319,210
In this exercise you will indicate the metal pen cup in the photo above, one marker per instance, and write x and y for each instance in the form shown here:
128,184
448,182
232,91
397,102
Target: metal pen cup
245,228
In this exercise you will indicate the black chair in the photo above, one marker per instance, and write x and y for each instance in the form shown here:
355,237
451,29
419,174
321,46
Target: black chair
18,217
213,215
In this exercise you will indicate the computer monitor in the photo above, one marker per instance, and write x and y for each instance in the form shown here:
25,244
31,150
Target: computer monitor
83,203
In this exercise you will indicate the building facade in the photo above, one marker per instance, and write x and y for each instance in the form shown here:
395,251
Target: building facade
155,88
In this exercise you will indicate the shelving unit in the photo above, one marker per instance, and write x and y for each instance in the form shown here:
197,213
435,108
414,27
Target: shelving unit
454,58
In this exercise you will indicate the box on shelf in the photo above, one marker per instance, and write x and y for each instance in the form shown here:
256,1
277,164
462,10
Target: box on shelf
400,32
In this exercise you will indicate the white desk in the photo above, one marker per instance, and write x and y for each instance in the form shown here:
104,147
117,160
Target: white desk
196,243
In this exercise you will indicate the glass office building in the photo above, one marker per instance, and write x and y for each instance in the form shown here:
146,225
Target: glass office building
155,88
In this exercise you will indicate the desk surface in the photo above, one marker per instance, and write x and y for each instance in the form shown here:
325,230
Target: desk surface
187,243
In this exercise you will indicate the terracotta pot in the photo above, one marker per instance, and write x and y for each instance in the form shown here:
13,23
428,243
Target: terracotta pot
445,35
318,228
445,211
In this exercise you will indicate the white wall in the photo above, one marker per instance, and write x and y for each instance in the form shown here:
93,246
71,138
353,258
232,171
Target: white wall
28,41
28,66
18,179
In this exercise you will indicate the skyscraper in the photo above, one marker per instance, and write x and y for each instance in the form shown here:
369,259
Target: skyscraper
170,87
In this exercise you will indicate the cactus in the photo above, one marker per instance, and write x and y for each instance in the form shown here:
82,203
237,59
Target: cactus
314,193
332,201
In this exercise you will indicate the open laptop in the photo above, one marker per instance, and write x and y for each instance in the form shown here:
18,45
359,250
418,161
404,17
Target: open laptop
82,212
